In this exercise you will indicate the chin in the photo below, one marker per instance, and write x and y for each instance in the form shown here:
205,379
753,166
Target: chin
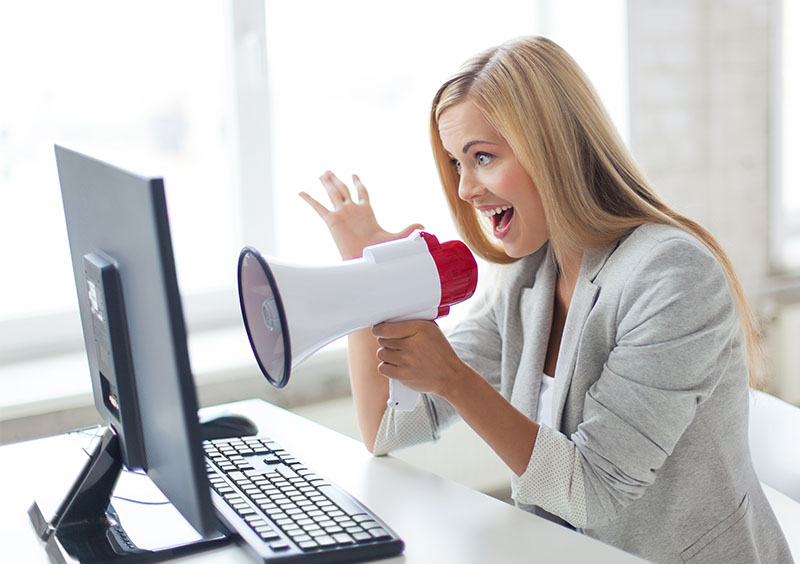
517,251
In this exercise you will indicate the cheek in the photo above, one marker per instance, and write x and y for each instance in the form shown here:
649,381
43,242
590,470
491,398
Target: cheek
512,185
520,189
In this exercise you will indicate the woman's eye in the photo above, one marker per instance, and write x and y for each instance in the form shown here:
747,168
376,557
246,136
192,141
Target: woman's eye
456,164
483,158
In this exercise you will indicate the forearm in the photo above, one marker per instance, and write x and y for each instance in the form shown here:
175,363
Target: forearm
511,434
370,389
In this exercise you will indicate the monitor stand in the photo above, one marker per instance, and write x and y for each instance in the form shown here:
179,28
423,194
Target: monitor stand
85,527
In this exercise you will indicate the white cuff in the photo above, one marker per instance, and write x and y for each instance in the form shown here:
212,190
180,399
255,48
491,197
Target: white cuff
554,478
401,429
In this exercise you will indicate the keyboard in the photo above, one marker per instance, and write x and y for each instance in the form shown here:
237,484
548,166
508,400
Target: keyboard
284,512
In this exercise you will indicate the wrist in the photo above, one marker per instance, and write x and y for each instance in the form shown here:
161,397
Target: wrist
354,249
462,385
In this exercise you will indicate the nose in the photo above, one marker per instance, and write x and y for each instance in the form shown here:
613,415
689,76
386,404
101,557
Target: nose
468,186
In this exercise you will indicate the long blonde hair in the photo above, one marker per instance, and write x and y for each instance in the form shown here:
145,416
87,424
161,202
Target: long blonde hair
592,191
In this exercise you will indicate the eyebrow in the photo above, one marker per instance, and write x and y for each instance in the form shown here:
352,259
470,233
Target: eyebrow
471,143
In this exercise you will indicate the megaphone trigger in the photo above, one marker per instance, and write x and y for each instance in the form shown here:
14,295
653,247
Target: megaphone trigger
401,396
290,311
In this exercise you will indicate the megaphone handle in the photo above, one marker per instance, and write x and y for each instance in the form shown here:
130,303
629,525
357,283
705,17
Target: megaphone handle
401,396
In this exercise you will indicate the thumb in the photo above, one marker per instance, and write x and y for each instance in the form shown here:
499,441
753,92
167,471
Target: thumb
408,230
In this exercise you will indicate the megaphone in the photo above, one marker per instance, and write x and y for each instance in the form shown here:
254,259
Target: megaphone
291,311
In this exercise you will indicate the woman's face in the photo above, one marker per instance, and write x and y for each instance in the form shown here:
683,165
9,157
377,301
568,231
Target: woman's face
492,180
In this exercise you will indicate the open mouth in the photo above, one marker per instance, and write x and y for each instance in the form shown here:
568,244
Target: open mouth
501,218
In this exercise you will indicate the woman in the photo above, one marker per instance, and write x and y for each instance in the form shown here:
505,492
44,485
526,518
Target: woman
610,368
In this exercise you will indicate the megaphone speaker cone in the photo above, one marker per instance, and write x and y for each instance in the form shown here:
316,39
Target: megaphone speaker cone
264,317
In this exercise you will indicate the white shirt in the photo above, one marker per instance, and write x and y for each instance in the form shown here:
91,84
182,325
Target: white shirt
544,409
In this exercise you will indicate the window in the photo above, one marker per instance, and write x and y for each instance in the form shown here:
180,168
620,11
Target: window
144,86
240,105
351,85
786,209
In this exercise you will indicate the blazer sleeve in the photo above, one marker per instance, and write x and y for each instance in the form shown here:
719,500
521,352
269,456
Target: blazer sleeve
676,331
477,342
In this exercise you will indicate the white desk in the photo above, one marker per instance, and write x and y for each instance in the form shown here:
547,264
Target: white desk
439,520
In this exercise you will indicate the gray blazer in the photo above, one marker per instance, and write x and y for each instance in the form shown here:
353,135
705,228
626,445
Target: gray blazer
651,387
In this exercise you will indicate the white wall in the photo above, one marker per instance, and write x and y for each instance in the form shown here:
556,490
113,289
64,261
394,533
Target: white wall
699,116
703,107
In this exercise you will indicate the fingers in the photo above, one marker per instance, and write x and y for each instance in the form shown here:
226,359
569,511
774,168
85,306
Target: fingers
319,208
390,356
408,230
363,196
392,344
337,190
392,363
397,330
390,370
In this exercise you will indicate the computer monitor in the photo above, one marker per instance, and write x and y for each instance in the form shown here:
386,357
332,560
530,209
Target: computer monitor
135,340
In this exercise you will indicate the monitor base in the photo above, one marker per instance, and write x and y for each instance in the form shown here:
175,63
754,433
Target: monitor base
85,528
96,543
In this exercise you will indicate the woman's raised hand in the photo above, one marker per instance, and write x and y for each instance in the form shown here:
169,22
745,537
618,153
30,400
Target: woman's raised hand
352,224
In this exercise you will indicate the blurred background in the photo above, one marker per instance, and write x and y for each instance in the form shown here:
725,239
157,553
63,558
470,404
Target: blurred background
240,104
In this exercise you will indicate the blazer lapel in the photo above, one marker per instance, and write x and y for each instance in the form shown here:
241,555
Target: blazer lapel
583,299
536,307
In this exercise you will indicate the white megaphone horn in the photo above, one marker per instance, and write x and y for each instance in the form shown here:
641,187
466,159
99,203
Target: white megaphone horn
291,311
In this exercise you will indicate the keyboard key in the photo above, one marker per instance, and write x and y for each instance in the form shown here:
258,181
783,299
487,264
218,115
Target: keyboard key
343,538
286,472
341,499
255,520
269,536
307,545
379,533
279,546
325,540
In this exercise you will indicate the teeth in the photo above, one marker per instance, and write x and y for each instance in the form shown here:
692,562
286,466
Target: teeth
495,211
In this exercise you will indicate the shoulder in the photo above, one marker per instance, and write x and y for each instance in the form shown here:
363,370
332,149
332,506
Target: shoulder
651,240
660,268
654,252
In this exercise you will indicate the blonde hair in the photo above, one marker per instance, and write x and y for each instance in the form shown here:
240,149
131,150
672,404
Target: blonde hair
592,191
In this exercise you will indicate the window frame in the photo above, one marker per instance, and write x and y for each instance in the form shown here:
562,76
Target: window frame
37,336
786,277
